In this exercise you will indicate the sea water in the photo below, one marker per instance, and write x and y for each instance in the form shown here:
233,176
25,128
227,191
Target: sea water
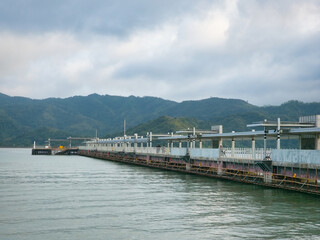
73,197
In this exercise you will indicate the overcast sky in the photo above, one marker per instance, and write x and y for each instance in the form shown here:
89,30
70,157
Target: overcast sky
264,52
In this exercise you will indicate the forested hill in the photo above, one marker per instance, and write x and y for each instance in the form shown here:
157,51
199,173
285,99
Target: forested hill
23,120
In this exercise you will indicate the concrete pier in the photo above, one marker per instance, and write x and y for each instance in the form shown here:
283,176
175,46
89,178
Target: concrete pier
280,168
240,167
41,151
55,151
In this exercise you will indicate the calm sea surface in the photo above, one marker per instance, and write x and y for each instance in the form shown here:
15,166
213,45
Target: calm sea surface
71,197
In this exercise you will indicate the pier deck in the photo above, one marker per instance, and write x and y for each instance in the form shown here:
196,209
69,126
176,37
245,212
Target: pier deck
270,173
55,151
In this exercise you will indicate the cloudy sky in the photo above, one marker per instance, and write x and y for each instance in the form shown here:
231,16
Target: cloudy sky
264,52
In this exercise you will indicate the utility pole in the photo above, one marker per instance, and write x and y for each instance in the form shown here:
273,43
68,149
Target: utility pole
124,127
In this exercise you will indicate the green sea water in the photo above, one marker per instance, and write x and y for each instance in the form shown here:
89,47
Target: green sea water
73,197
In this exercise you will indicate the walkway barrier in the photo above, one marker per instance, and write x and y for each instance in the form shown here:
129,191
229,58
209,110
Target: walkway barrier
245,153
204,153
296,156
208,153
277,155
178,151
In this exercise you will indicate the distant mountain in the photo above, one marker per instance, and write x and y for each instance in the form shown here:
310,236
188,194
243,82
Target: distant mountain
23,120
291,110
208,109
166,124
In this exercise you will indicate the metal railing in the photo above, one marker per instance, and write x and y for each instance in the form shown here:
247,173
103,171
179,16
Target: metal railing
296,156
276,155
208,153
245,153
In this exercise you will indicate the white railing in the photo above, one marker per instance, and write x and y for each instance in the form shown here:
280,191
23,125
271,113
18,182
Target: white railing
276,155
282,155
296,156
145,150
245,153
153,150
178,151
208,153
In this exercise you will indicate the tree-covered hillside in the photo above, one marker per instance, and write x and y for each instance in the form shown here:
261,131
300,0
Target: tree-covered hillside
166,124
23,120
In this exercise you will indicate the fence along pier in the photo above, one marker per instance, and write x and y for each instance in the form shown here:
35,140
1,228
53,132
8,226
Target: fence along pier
293,169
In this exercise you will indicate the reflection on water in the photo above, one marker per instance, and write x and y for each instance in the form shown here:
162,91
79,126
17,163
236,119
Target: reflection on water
70,197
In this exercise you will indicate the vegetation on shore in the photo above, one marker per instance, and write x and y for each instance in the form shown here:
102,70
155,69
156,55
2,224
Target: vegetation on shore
24,120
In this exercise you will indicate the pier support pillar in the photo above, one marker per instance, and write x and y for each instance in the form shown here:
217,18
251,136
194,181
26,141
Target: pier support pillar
180,144
232,147
220,139
267,177
300,142
220,168
150,139
188,167
317,143
135,145
253,148
200,144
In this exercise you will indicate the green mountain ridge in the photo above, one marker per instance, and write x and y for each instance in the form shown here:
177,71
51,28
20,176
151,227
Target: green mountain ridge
23,120
167,124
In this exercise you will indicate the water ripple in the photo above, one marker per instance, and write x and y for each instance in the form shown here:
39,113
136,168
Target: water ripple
58,197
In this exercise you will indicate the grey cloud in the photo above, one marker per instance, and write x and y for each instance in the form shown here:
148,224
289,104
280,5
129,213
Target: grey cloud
268,54
101,16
